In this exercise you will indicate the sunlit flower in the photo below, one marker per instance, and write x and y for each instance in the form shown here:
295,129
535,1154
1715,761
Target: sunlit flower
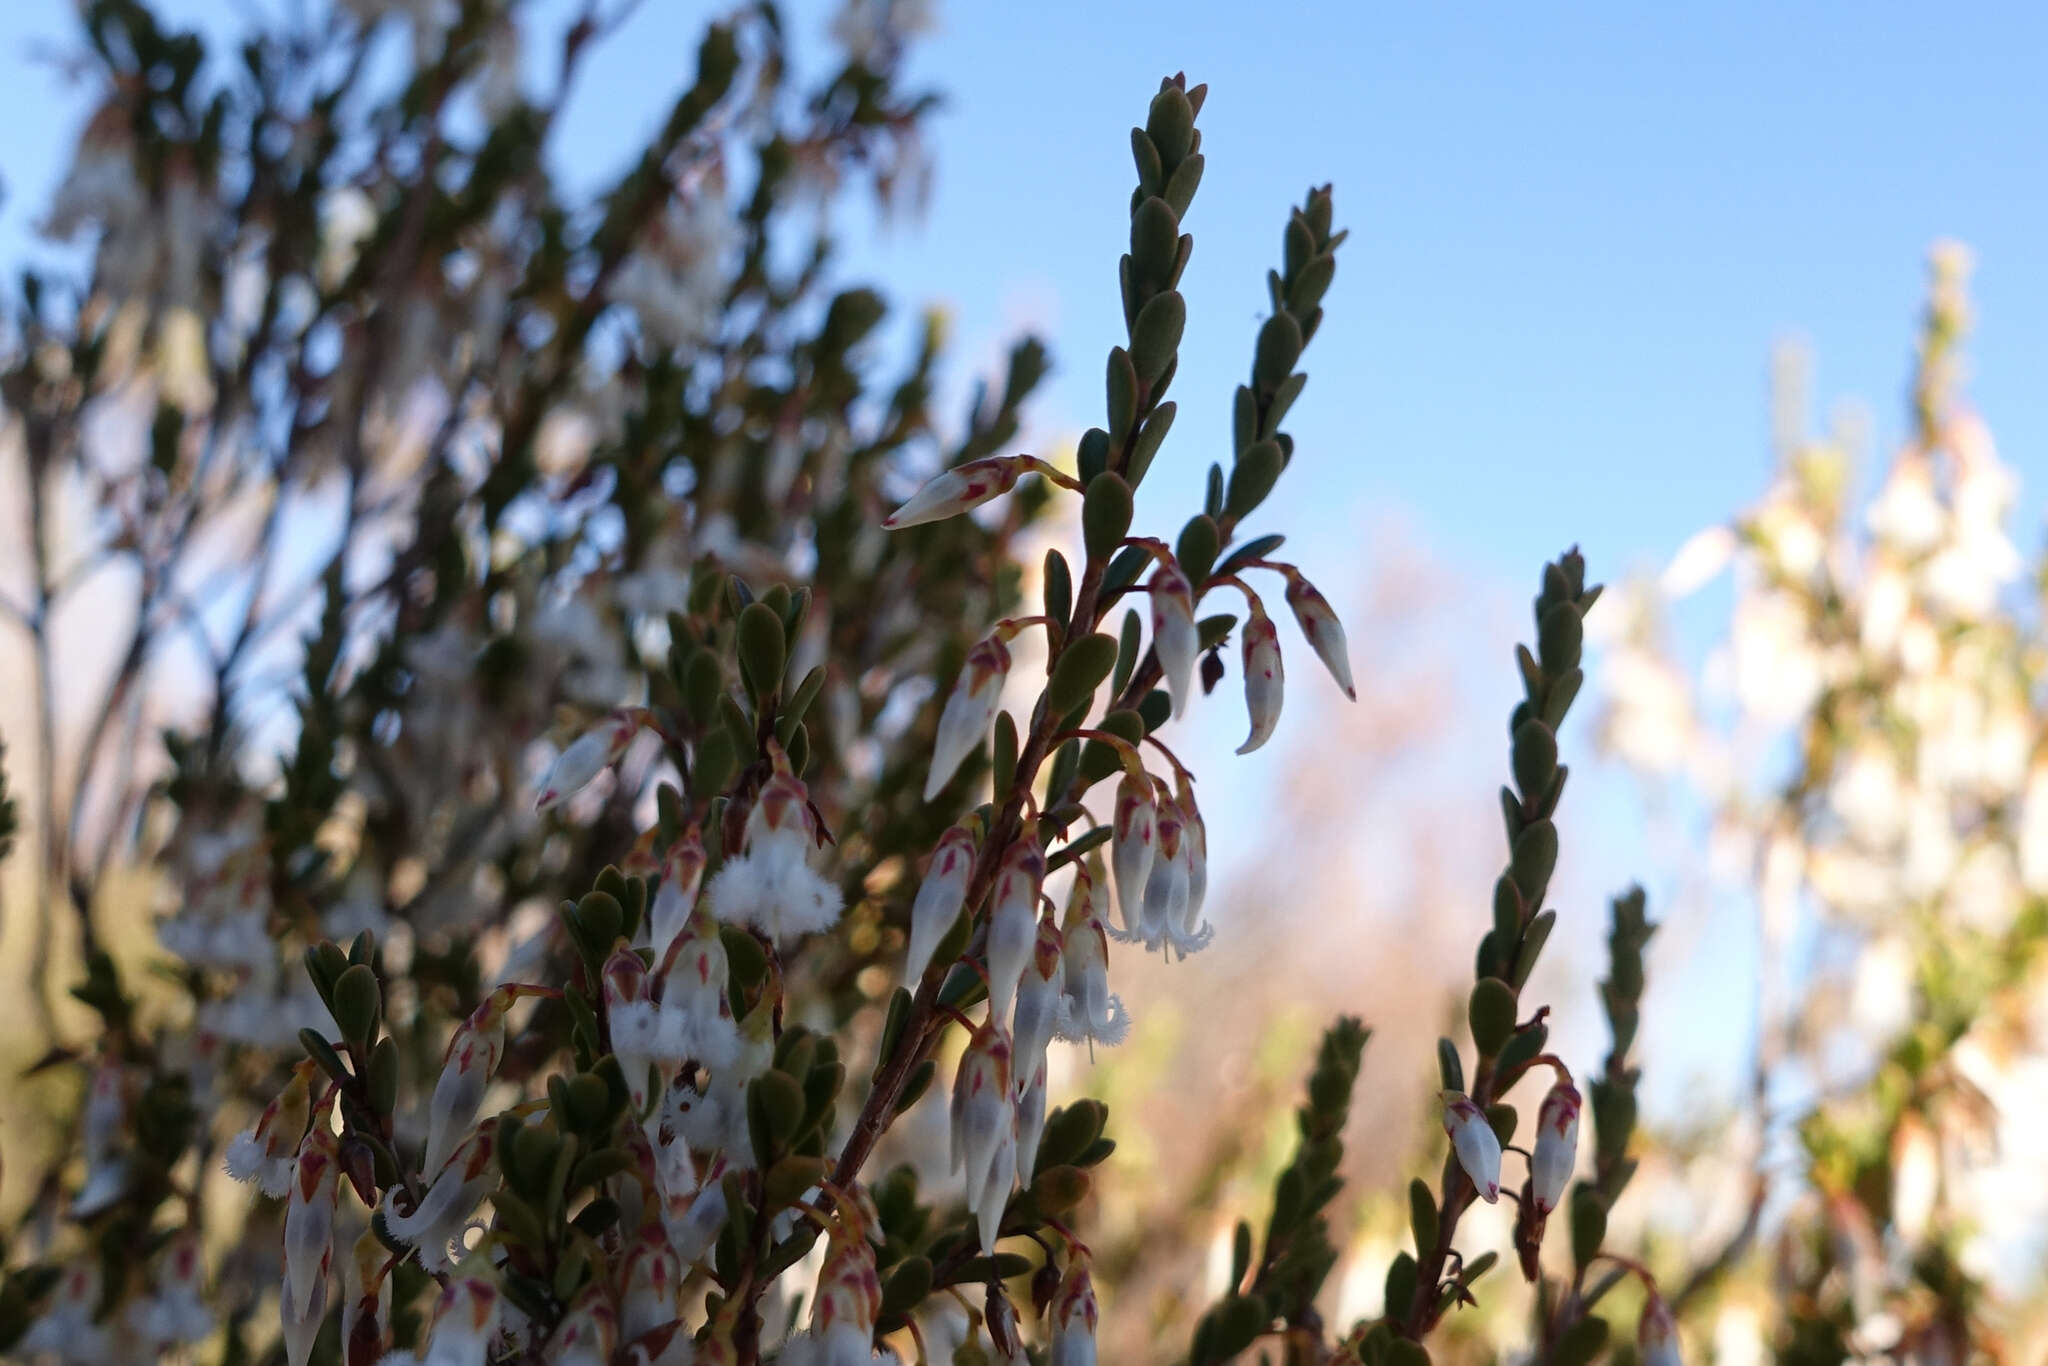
1477,1146
970,710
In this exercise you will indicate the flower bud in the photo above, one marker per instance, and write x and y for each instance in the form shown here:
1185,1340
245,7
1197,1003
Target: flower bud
1657,1334
1324,632
1030,1120
1133,847
984,1127
1175,637
309,1221
959,490
939,899
1264,680
588,755
848,1301
970,710
458,1094
696,1018
635,1023
1013,923
1073,1319
1557,1146
1477,1146
1038,999
682,873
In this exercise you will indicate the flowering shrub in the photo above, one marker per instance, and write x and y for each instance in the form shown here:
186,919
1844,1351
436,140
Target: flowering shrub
558,973
1867,740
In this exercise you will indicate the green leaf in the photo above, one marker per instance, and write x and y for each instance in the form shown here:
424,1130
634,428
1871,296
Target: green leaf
1491,1013
763,650
1253,476
1155,337
1105,514
1082,667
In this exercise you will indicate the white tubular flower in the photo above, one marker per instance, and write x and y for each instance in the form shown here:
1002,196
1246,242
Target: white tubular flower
105,1124
1194,835
939,899
682,873
442,1212
465,1323
1013,923
1030,1122
1557,1145
309,1221
1264,680
1087,1009
1073,1312
959,490
1171,920
847,1302
459,1091
696,1017
1175,638
691,1220
1133,846
770,885
1038,999
1657,1334
176,1313
984,1126
588,755
589,1334
264,1152
970,710
1477,1146
652,1276
636,1031
68,1328
1324,632
301,1326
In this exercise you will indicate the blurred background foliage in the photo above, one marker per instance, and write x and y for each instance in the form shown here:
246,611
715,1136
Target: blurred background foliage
325,280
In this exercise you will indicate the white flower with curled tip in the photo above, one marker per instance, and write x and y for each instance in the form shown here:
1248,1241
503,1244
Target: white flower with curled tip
1170,920
770,885
1030,1119
1073,1313
1133,846
1474,1141
588,755
939,900
1264,679
970,710
682,874
1657,1334
1319,625
1037,1016
1557,1145
1176,640
309,1227
1087,1009
264,1152
434,1224
984,1127
1013,922
696,1018
959,490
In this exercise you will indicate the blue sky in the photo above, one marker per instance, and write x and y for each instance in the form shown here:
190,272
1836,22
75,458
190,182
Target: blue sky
1576,234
